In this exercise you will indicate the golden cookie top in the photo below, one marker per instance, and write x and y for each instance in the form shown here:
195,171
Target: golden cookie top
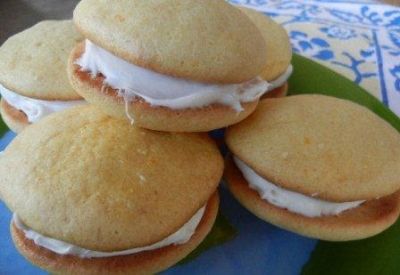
206,41
87,179
278,50
33,63
320,146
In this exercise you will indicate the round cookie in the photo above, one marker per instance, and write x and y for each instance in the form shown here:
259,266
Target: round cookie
116,177
155,118
324,148
216,42
320,141
201,88
33,67
278,50
113,187
33,62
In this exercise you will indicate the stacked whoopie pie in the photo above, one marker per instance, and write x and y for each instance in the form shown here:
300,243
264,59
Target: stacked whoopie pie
98,196
130,65
319,166
33,82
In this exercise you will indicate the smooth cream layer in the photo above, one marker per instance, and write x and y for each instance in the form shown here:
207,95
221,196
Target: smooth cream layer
181,236
292,201
278,82
161,90
36,109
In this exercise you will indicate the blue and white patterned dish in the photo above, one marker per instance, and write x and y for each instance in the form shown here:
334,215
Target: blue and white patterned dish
359,39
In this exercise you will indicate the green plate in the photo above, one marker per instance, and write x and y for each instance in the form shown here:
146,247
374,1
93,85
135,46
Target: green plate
3,127
377,255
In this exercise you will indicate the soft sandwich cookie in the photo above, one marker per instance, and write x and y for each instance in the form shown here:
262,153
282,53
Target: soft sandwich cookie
98,196
170,65
319,166
33,78
278,53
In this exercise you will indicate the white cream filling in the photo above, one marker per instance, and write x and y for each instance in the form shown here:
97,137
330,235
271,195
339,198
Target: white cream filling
161,90
181,236
292,201
278,82
36,109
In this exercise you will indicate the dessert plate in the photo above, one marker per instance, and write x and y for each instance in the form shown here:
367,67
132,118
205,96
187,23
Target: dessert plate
250,246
